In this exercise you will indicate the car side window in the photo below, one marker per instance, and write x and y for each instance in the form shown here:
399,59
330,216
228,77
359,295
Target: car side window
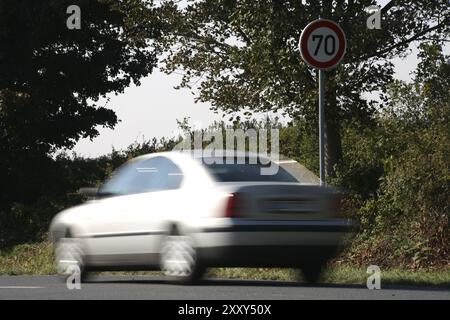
173,175
155,174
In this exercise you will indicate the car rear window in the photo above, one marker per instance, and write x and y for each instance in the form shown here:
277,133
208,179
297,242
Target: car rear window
244,172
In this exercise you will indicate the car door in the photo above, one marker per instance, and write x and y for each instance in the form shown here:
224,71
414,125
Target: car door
129,226
152,198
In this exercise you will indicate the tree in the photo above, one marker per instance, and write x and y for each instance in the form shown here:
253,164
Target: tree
243,56
51,79
426,100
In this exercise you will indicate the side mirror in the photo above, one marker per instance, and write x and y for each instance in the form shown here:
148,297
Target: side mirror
88,192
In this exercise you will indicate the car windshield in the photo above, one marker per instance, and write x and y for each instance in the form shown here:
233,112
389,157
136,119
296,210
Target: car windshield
143,175
117,182
224,172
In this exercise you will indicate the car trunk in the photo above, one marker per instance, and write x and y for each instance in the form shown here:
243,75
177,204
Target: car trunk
282,201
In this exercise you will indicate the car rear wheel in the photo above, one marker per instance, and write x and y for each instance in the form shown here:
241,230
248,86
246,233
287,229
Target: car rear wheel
179,260
312,271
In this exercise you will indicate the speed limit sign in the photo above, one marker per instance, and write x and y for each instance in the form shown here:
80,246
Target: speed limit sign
322,44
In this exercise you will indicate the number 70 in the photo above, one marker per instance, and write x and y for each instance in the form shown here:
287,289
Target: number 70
330,44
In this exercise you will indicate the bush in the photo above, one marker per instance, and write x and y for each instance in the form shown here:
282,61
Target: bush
37,192
407,221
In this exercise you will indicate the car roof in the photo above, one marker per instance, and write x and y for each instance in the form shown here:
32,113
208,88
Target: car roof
293,167
200,153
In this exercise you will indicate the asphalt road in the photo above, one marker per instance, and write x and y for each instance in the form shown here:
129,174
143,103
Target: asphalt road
154,288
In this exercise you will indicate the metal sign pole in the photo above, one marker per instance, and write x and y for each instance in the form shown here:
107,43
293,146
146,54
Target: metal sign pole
321,126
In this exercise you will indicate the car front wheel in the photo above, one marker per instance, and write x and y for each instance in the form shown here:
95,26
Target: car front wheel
69,259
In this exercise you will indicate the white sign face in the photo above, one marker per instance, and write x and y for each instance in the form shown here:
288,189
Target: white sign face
322,44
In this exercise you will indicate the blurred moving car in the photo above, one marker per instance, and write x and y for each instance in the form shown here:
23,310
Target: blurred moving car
181,214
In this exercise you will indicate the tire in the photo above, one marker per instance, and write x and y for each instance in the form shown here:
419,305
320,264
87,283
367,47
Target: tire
312,271
69,259
179,260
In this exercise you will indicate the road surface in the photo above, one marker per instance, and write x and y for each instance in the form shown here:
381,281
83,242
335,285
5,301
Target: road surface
156,288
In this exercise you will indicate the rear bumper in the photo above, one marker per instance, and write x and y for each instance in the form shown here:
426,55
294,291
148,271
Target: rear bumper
264,243
253,225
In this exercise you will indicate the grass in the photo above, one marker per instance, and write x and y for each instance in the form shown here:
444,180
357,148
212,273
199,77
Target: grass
342,275
37,259
30,259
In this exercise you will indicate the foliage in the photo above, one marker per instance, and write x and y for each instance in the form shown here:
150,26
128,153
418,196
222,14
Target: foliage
51,77
242,56
402,201
27,220
51,80
398,175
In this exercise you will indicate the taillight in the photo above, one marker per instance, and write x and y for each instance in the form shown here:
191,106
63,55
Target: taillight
232,207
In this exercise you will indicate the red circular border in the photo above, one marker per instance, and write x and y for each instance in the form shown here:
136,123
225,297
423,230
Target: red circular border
304,43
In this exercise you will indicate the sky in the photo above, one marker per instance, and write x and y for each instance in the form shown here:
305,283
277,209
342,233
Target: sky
152,109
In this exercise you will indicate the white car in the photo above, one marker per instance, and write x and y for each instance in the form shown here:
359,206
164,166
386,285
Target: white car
181,214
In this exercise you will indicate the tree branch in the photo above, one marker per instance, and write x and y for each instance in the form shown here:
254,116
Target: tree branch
402,43
244,36
388,6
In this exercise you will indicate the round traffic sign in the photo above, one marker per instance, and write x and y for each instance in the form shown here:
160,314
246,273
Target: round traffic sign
322,44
